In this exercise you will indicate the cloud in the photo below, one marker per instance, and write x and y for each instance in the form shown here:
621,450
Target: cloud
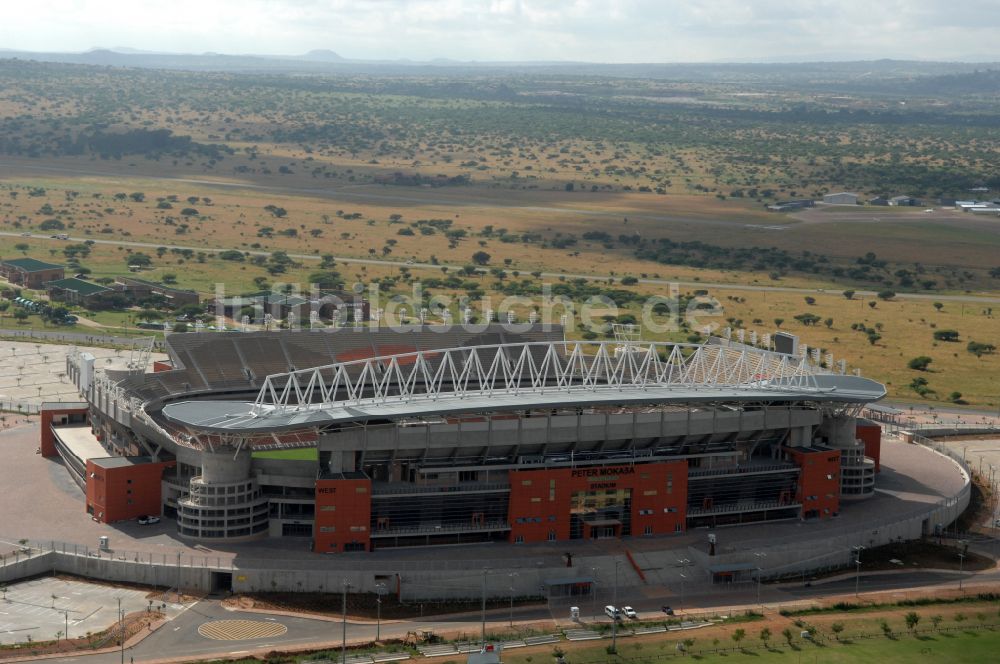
593,30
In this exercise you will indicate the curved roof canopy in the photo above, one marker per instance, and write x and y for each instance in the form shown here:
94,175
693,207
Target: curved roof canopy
520,376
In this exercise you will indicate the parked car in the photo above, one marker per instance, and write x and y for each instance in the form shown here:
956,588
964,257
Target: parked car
630,613
148,520
612,612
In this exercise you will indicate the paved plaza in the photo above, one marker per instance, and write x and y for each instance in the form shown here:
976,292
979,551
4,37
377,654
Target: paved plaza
43,609
983,456
33,372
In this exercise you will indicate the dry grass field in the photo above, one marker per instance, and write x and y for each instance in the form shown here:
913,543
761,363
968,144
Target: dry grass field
216,177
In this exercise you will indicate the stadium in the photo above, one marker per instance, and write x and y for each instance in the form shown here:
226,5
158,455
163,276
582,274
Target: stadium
366,438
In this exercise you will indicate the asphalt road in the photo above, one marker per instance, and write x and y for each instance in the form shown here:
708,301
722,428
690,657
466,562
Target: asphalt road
180,637
972,299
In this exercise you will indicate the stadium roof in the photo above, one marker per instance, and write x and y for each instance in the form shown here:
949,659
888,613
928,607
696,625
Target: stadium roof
245,417
31,264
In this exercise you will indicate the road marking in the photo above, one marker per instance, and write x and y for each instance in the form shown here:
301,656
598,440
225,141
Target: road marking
240,630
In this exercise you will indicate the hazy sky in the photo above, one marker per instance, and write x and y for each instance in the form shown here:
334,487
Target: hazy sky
590,30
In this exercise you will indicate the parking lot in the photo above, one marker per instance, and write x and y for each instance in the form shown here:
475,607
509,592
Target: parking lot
43,609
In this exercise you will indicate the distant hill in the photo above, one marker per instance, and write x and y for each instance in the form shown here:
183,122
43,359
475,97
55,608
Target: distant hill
861,74
323,55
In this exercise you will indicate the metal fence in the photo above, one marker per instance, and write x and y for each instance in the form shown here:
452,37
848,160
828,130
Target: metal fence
25,407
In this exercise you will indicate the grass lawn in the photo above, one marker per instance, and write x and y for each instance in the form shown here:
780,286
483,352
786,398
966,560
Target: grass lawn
971,646
299,454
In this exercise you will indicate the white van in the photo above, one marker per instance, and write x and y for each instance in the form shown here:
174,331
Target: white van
612,612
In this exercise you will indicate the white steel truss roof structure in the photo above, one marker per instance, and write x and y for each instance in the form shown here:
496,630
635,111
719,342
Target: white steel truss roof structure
523,375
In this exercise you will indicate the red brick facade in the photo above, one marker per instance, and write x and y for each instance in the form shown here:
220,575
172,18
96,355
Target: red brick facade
541,501
50,416
119,493
871,435
819,481
343,515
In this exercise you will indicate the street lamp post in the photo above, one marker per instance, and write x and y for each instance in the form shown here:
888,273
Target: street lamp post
593,595
683,562
483,609
614,618
961,561
961,569
343,635
759,555
511,616
121,630
379,591
857,561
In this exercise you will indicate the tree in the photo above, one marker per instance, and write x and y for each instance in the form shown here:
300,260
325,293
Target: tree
330,280
20,315
138,258
22,247
980,349
955,397
912,618
137,196
778,322
170,279
810,300
481,258
739,635
946,335
180,327
765,635
939,306
837,628
872,304
936,620
886,294
849,294
787,633
828,322
919,385
919,363
52,225
886,629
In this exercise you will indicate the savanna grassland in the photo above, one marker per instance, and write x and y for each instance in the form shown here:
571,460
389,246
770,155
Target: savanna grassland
490,182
